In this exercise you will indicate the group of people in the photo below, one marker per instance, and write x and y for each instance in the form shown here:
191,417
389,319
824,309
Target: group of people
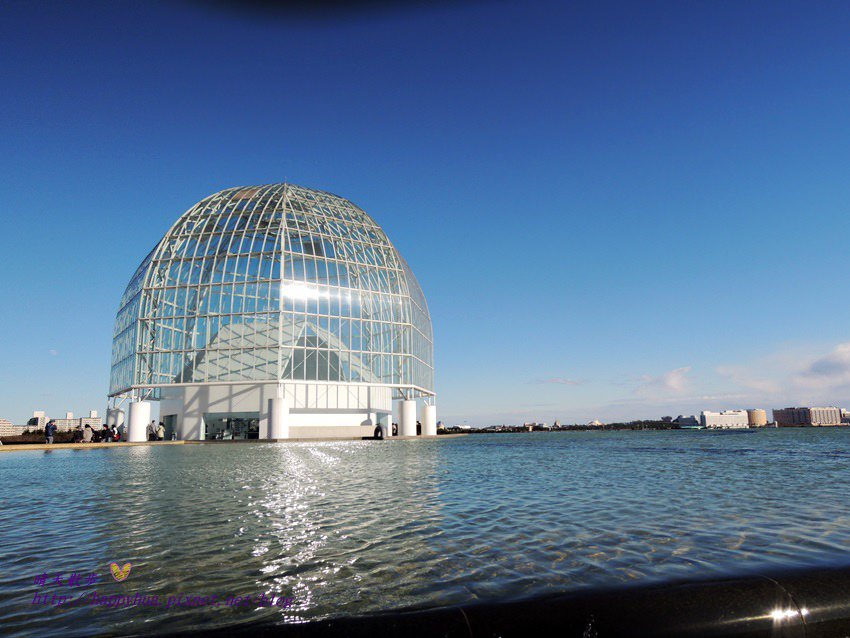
86,433
107,434
156,432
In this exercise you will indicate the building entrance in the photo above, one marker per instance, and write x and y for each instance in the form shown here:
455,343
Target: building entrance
231,426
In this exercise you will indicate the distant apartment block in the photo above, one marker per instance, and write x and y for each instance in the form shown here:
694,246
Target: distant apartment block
7,429
757,417
724,420
807,416
39,420
70,423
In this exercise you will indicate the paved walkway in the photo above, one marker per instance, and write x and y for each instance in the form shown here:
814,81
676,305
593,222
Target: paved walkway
15,447
12,447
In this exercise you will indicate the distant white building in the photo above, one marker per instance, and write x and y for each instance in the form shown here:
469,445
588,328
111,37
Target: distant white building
825,416
807,416
7,429
724,420
70,423
38,420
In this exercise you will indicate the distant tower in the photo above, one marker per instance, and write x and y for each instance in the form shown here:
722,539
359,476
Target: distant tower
756,417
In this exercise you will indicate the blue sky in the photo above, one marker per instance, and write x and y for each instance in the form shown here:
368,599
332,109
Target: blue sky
616,210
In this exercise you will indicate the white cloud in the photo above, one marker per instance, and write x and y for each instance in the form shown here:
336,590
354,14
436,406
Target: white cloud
835,365
52,352
795,376
670,383
792,374
744,377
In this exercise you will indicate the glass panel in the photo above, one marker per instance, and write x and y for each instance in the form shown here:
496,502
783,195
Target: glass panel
200,306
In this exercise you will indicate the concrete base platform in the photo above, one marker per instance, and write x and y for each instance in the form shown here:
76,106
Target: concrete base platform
11,447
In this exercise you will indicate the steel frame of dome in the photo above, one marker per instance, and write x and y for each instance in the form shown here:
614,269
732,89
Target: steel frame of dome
290,290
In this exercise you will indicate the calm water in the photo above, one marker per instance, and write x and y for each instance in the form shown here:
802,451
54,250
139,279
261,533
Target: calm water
353,527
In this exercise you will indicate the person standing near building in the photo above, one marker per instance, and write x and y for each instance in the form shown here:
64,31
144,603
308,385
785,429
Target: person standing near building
160,432
49,432
152,431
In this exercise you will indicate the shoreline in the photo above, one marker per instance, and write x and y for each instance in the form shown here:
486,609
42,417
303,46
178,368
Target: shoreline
15,447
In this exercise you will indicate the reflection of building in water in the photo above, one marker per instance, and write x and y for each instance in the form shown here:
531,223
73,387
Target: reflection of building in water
274,312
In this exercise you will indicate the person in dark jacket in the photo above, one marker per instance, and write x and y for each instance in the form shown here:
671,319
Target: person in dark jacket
49,432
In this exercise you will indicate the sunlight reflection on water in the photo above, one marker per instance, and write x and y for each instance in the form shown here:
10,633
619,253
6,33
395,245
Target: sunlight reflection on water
353,527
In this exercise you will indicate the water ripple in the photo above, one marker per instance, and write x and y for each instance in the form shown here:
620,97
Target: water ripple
354,527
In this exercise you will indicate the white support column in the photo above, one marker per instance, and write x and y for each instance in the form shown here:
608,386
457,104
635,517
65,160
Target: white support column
140,415
429,420
115,417
407,425
386,424
278,418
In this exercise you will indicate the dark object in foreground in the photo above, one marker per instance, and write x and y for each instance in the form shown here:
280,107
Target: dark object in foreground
810,602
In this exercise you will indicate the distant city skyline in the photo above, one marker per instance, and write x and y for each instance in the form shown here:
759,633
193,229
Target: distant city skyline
621,210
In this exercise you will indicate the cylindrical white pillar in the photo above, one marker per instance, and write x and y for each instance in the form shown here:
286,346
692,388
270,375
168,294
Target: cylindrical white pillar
386,424
408,418
278,418
115,417
140,414
429,420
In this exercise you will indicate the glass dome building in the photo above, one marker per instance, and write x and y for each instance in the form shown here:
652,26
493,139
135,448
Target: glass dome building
273,312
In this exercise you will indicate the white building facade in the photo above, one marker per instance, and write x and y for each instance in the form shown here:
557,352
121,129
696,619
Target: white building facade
726,419
70,423
791,417
7,429
274,312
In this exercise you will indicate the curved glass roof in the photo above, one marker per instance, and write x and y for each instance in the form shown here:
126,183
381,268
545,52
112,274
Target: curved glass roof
273,283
